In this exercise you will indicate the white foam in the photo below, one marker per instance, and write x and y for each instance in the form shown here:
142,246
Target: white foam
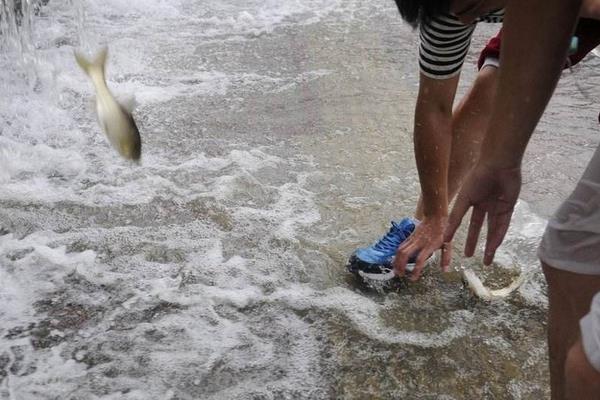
125,185
365,315
210,83
136,394
37,271
54,373
265,16
222,302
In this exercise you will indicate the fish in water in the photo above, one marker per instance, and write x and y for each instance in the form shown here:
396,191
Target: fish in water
480,290
116,121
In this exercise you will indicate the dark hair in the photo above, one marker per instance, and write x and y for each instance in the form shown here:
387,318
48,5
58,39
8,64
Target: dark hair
418,11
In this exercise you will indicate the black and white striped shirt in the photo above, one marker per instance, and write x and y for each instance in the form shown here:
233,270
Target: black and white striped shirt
445,42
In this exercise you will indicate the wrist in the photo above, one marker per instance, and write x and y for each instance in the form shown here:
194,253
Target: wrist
434,201
503,148
495,158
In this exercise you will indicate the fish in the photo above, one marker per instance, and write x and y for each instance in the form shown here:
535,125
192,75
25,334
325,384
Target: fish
480,290
115,119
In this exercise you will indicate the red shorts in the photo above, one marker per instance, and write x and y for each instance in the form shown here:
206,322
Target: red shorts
587,31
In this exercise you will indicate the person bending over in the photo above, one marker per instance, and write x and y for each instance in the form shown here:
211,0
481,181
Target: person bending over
468,125
536,37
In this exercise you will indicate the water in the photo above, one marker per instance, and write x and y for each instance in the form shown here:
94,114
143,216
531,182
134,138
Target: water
277,138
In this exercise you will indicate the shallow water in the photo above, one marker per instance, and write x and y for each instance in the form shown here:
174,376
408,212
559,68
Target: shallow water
276,139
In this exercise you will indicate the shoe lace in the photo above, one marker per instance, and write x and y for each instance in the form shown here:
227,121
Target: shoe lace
392,239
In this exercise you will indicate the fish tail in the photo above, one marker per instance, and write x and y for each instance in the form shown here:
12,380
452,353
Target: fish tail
94,67
504,292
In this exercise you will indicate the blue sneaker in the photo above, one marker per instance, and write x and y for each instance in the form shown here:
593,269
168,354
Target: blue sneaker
375,262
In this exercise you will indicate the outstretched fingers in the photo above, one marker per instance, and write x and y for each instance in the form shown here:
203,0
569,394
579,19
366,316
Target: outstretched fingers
446,256
497,228
477,218
455,218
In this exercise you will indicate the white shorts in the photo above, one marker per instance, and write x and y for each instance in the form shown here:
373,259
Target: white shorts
571,241
590,333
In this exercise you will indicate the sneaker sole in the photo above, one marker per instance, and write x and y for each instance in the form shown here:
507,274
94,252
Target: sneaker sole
354,266
384,276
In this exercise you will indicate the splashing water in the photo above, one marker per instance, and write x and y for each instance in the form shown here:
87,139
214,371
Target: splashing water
278,140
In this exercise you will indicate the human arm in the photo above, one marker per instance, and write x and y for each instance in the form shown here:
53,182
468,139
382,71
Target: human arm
535,39
444,42
432,140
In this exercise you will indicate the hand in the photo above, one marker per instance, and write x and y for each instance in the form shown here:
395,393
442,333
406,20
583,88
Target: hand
489,190
427,238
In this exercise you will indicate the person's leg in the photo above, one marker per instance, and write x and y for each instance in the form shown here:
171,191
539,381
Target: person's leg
469,123
569,297
570,255
582,379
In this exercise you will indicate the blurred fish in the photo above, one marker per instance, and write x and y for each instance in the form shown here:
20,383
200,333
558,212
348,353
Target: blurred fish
480,290
116,121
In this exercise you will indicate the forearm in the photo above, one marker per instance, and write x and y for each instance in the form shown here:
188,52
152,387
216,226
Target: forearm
536,36
432,138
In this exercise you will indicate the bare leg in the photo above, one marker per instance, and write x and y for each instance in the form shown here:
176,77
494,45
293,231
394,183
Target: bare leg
469,123
582,381
569,296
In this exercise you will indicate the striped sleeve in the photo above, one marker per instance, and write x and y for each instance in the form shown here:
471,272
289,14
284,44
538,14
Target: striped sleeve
444,46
